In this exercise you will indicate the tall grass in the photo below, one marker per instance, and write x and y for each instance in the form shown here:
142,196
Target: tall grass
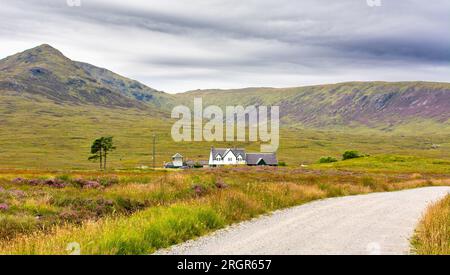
141,233
433,233
161,226
190,204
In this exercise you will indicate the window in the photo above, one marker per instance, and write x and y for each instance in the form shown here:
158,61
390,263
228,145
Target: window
230,159
218,158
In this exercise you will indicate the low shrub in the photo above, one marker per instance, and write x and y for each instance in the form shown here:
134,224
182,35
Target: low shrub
11,226
369,182
87,184
107,181
3,207
327,160
64,178
198,165
351,155
221,185
56,183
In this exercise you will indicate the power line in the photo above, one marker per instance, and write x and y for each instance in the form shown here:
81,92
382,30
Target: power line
154,152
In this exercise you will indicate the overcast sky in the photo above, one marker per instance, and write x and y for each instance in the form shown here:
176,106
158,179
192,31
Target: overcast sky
180,45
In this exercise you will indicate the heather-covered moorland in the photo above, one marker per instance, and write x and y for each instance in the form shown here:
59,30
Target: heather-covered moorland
138,212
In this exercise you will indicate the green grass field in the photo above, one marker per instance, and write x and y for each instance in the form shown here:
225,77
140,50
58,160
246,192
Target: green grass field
44,135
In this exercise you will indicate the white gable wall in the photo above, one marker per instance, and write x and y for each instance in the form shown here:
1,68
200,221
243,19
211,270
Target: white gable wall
177,162
228,159
241,159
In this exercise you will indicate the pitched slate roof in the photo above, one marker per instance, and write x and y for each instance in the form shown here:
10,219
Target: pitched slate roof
237,152
177,155
223,151
256,158
217,151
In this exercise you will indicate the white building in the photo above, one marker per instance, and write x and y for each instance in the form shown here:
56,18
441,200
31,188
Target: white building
177,160
235,156
221,156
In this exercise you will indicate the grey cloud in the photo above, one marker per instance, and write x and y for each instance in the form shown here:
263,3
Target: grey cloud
286,41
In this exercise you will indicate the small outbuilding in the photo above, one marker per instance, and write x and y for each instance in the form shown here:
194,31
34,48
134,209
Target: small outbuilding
177,162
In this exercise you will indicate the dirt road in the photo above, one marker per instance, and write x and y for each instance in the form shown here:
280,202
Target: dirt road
378,223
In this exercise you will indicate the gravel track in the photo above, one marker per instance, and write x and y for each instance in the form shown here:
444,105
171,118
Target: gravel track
377,223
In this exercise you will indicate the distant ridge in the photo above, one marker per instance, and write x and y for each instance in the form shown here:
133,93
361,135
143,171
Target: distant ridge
370,104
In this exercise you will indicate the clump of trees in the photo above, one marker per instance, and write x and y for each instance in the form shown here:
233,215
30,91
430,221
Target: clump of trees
100,149
351,155
327,160
347,155
198,165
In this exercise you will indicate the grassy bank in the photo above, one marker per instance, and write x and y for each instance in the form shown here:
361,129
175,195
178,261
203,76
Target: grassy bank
433,233
391,164
146,211
60,137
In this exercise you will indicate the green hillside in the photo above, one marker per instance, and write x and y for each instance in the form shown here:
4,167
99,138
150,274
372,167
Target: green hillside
39,133
52,108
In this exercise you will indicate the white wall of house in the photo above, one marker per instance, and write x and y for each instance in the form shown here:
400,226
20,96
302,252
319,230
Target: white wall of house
229,159
210,161
177,162
241,160
218,160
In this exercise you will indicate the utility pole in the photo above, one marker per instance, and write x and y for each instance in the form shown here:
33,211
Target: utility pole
154,151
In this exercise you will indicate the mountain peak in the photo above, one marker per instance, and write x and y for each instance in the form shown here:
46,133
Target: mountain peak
46,48
45,71
40,54
43,52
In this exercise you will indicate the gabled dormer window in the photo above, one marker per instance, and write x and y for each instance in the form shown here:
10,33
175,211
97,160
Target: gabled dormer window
239,158
218,158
